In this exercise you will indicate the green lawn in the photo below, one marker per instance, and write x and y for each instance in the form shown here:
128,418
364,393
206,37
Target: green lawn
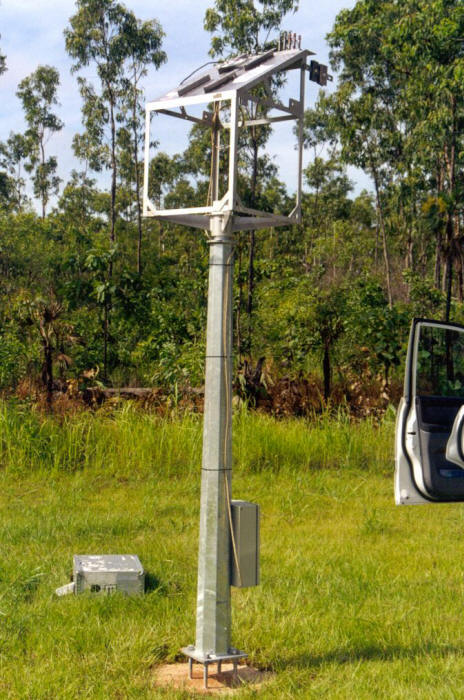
359,599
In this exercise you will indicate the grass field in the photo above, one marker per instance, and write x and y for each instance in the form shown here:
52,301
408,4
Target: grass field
359,599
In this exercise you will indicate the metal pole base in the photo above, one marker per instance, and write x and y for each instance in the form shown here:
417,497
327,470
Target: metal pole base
207,660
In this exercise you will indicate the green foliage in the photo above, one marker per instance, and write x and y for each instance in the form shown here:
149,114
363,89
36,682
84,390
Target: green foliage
332,297
164,172
6,188
298,319
397,110
13,153
376,329
426,300
16,356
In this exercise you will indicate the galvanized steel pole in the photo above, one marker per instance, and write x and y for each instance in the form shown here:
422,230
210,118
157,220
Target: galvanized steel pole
213,595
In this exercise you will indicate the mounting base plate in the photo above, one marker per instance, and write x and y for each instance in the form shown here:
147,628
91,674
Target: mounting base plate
234,655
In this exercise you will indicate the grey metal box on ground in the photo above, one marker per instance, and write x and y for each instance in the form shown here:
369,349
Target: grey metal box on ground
105,573
245,553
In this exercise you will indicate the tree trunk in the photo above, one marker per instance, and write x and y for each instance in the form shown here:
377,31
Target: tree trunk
326,370
105,339
113,174
251,277
381,221
409,261
460,278
240,297
449,285
42,190
107,307
251,257
137,178
449,266
47,370
452,227
109,85
438,257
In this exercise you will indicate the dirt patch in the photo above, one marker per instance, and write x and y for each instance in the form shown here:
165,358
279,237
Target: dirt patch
224,683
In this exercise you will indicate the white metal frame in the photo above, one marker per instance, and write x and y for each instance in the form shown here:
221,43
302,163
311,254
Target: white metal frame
238,93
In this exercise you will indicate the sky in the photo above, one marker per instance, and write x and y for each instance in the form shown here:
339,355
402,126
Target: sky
32,34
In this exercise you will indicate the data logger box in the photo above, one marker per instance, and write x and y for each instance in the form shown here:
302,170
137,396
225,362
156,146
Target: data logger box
245,545
107,573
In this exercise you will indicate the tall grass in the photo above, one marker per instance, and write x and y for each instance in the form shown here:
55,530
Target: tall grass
124,441
327,441
358,598
128,441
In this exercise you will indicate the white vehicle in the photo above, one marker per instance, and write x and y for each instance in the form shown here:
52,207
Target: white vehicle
429,446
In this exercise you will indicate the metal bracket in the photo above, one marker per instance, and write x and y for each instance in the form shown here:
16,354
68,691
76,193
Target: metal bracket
183,114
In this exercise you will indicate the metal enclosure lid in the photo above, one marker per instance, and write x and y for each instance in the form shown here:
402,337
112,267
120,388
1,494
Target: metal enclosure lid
114,563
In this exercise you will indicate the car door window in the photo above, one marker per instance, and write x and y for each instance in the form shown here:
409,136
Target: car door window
440,362
438,381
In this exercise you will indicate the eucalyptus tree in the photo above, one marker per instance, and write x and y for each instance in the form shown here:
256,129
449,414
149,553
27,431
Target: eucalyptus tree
37,93
96,38
247,26
143,49
105,34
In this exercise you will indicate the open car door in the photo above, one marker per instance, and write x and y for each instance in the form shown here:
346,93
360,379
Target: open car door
429,441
